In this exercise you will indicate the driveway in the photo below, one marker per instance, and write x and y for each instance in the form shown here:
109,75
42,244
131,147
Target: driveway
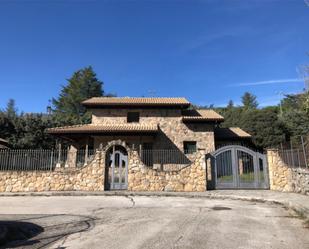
153,222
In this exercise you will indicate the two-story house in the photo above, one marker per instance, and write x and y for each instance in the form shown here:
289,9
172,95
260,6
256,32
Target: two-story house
151,143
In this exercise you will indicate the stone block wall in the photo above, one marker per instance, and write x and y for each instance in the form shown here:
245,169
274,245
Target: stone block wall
282,177
173,132
88,178
190,178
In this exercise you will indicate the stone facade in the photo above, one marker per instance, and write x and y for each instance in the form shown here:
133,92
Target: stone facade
88,178
285,178
192,177
173,132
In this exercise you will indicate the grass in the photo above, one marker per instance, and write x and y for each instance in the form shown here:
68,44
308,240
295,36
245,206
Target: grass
247,177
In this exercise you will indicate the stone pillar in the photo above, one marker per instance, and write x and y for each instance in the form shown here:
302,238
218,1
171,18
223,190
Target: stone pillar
279,173
71,159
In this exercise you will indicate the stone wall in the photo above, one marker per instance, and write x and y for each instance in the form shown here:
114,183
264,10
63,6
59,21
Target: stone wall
282,177
88,178
192,177
173,132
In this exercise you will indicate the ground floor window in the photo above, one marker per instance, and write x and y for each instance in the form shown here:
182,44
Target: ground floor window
189,147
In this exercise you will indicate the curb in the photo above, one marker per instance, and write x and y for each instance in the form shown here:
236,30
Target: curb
302,211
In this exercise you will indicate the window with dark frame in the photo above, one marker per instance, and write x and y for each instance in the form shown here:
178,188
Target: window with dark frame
133,117
189,147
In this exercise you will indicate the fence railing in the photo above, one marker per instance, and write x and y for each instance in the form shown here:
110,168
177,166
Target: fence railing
43,160
295,153
294,158
166,160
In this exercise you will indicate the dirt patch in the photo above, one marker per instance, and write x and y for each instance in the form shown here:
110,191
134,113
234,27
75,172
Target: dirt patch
219,208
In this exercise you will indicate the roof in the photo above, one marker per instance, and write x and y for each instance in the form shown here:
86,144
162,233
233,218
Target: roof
3,140
3,143
112,128
231,133
201,115
135,101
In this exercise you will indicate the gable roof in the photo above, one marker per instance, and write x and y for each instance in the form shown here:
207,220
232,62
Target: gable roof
135,101
231,133
3,140
3,143
111,128
200,115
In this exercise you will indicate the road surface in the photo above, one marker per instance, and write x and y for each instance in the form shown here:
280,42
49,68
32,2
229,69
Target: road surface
152,222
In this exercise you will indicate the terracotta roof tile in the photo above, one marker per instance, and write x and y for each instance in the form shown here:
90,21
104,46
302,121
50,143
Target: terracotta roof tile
108,101
91,128
3,140
201,115
230,133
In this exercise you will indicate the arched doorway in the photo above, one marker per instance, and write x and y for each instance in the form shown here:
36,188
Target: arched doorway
116,169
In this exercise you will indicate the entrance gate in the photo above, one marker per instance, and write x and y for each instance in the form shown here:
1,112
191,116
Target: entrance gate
239,167
116,173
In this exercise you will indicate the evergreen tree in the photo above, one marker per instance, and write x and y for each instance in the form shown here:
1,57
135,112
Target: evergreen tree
11,110
81,86
249,101
230,104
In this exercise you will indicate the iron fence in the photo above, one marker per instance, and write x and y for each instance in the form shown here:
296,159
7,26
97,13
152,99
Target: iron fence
43,160
83,157
166,160
295,158
295,154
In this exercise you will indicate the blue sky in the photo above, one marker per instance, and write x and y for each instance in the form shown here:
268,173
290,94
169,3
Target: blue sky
208,51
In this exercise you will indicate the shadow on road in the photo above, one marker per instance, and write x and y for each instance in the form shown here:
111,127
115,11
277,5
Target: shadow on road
52,228
18,233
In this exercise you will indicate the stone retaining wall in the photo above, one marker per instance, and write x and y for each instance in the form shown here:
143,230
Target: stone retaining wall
190,178
88,178
282,177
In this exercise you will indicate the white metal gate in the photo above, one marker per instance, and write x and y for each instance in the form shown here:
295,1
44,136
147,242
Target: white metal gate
117,169
239,167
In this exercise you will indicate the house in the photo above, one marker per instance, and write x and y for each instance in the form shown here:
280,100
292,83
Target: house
4,144
156,144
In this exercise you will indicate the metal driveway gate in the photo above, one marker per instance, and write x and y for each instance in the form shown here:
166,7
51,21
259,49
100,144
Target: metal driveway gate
239,167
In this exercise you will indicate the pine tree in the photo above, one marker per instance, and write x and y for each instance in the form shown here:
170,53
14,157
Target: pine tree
81,86
249,101
230,104
11,110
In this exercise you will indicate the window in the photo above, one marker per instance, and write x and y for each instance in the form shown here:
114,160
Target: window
189,147
133,117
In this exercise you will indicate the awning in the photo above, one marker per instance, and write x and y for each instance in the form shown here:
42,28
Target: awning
104,129
231,133
201,115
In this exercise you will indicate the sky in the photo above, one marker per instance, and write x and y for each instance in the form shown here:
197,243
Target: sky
207,51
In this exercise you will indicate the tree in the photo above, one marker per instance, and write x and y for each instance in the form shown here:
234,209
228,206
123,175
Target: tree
81,86
264,126
7,127
30,132
249,101
11,110
230,104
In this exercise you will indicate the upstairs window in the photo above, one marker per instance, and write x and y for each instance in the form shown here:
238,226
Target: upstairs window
133,117
189,147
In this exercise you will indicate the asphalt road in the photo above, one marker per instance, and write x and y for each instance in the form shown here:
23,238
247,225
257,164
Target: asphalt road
152,222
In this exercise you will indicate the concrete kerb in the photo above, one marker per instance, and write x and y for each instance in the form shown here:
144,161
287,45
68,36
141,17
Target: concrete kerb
301,210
